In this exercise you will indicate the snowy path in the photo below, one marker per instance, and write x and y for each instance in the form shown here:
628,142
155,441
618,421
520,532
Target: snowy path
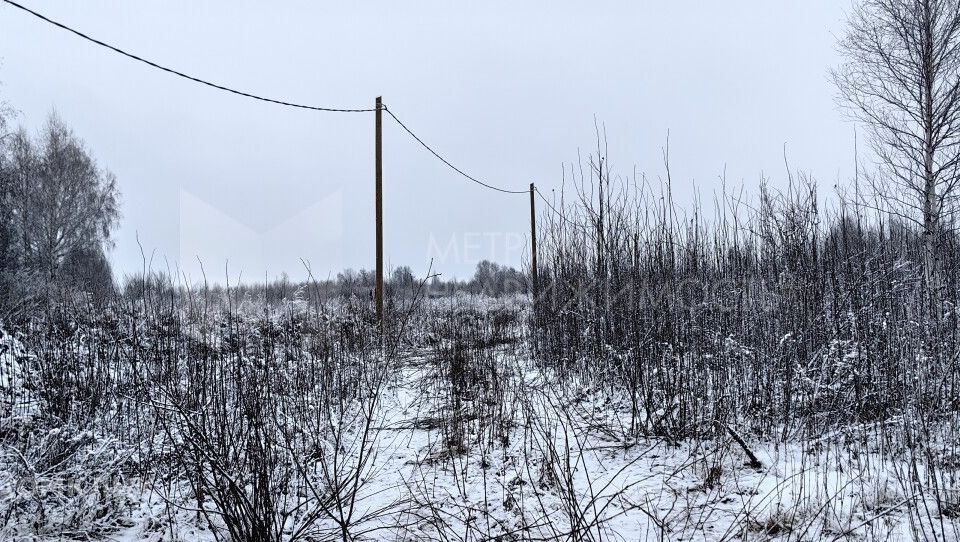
544,465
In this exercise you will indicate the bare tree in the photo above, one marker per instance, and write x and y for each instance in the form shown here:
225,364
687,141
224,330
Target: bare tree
7,257
901,77
61,202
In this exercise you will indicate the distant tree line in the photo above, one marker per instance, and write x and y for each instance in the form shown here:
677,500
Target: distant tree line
489,278
60,208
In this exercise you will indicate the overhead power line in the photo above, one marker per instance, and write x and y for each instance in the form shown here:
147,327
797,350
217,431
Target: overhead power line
447,162
263,98
562,216
378,109
179,73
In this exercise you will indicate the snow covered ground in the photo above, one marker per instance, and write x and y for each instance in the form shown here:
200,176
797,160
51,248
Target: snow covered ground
564,473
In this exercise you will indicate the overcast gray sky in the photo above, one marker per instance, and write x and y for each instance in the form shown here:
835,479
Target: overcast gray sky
506,90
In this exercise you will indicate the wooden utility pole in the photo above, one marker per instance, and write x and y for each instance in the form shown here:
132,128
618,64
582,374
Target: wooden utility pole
378,294
533,246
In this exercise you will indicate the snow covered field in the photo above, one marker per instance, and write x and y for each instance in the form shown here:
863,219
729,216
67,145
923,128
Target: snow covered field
524,455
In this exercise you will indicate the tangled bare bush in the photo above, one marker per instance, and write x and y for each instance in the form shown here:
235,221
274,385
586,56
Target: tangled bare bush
61,482
782,317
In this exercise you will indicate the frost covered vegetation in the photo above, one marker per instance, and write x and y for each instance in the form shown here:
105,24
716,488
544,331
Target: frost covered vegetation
771,369
777,372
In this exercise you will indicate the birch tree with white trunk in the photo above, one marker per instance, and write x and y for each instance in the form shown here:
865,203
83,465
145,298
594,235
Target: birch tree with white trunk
901,78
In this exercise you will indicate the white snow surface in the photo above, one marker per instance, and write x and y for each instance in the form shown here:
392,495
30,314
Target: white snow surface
562,477
563,474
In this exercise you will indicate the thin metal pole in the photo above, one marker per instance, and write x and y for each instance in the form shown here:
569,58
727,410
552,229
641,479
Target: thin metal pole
533,246
379,196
